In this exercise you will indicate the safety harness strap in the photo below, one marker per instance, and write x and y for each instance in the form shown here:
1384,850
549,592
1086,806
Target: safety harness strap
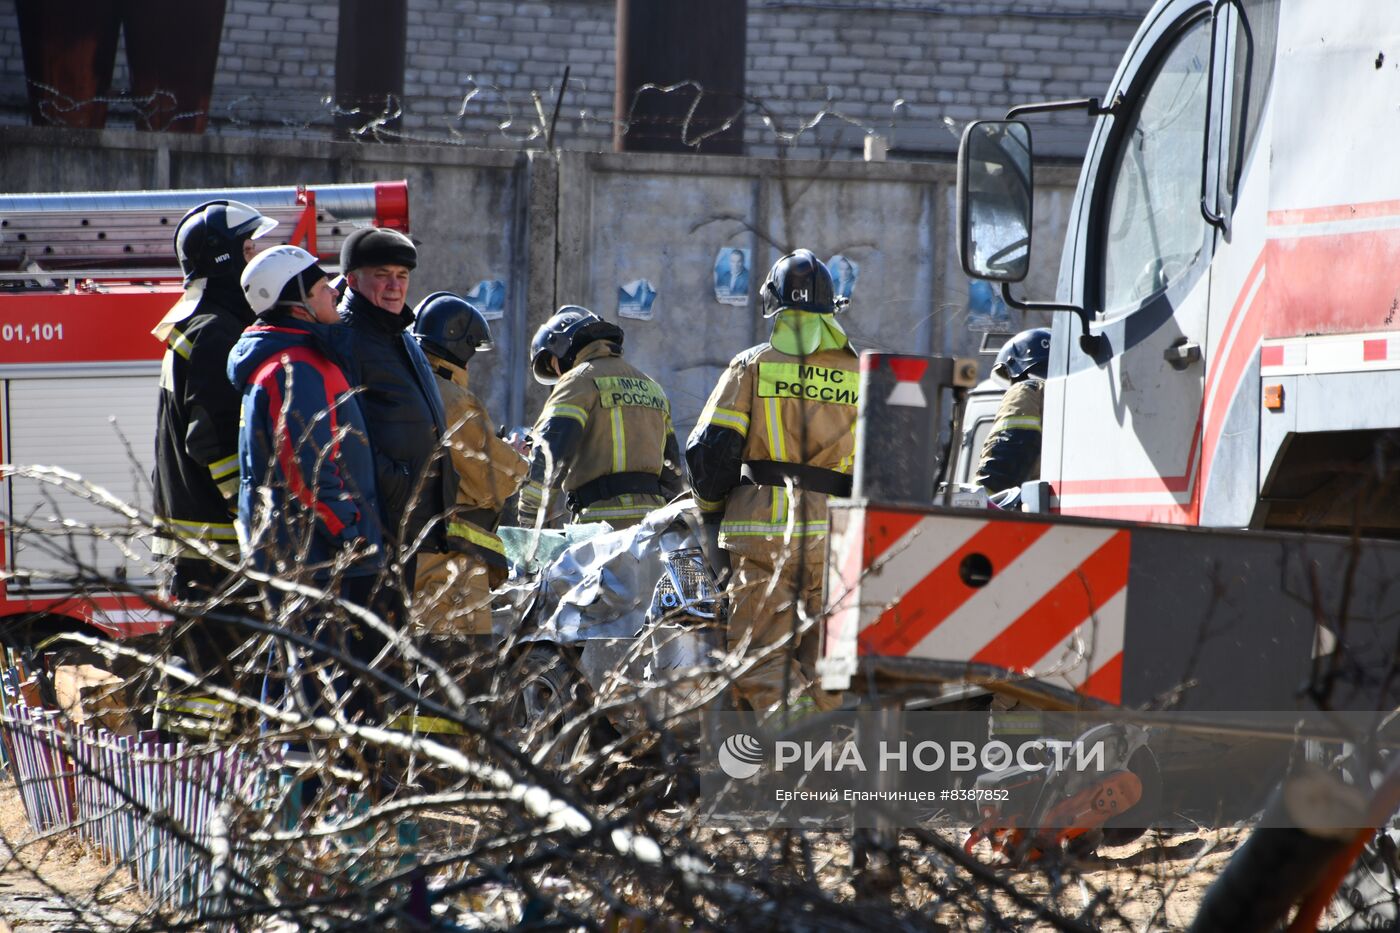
810,478
612,485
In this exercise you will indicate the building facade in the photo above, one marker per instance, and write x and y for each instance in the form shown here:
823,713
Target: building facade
821,74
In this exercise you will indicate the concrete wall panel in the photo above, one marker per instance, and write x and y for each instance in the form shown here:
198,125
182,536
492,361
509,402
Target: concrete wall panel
888,230
667,229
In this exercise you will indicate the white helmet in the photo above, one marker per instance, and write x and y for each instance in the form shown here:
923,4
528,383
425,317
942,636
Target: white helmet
283,275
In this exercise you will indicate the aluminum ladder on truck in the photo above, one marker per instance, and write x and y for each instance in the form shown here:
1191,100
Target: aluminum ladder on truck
119,232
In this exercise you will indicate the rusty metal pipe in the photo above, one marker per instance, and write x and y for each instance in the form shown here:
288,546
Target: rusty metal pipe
370,53
665,43
173,49
69,50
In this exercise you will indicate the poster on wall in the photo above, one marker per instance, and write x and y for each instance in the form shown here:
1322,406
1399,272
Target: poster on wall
986,312
844,272
636,300
732,276
489,296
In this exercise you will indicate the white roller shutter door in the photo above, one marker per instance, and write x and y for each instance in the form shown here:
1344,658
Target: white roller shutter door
101,427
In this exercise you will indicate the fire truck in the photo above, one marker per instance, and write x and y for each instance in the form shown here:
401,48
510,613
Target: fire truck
1215,517
83,279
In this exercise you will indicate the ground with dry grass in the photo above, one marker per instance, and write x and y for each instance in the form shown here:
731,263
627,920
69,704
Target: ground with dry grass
53,881
57,882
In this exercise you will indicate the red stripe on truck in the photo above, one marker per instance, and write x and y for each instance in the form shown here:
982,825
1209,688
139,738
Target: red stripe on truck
1333,213
930,601
1106,683
882,530
1072,601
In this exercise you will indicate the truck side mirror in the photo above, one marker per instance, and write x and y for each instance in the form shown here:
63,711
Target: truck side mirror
995,185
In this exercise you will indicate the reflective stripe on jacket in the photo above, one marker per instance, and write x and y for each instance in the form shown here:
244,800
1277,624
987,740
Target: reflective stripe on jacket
603,418
770,405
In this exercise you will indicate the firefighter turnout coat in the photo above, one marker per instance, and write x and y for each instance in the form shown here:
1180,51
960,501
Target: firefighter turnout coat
1011,452
778,413
196,473
605,438
454,590
776,439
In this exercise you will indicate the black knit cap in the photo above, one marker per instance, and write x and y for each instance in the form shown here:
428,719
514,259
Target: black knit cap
377,246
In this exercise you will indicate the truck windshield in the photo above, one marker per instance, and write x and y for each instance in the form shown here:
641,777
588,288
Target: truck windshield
1155,231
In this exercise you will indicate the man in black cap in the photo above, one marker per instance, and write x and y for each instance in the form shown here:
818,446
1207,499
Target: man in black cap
401,404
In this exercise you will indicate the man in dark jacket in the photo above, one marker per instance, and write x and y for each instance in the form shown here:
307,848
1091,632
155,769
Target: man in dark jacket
404,413
196,473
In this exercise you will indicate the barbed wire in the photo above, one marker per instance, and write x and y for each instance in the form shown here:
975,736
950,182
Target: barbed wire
518,119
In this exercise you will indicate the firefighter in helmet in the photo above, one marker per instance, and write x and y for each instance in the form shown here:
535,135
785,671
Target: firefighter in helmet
775,441
605,436
1011,453
454,590
196,471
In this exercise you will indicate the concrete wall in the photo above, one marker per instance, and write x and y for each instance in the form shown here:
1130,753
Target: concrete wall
896,67
667,218
576,228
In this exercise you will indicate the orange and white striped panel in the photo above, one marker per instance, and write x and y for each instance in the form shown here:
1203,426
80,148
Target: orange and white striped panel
1053,608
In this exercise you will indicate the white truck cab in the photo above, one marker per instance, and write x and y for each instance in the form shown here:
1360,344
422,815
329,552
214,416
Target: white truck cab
1229,272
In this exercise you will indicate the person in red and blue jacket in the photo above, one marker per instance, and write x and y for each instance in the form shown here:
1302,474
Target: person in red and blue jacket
307,503
307,499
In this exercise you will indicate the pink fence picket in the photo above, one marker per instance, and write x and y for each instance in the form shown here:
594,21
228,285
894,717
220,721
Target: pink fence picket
41,767
143,803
